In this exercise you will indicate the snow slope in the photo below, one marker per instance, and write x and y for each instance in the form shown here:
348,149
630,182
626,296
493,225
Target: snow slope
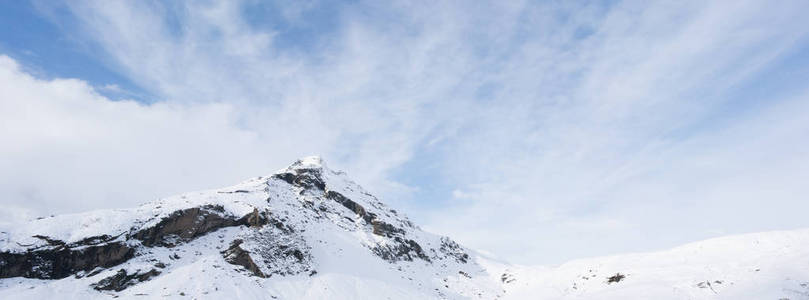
308,232
770,265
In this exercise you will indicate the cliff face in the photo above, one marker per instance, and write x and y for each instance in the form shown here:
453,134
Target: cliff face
59,260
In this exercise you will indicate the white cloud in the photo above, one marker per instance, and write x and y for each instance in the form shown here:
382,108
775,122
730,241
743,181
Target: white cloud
66,148
559,130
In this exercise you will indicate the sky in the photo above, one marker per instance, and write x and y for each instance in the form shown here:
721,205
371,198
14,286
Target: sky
533,131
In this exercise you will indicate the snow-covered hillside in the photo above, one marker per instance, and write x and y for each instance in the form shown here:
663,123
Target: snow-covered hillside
308,232
770,265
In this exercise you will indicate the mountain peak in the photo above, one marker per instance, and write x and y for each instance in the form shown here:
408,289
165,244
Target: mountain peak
307,162
311,161
302,221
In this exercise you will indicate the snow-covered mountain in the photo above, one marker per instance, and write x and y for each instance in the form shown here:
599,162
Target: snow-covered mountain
308,232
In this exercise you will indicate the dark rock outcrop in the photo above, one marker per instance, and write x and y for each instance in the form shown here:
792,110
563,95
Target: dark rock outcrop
379,227
401,249
256,218
507,278
61,260
240,257
351,205
385,229
305,178
616,278
122,280
451,248
185,225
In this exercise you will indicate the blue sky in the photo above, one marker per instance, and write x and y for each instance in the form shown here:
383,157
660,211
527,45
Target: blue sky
49,51
535,131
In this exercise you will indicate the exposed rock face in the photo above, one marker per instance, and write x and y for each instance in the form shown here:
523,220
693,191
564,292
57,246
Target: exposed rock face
238,256
270,250
307,178
351,205
60,260
452,249
123,280
379,227
184,225
385,229
256,219
401,249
